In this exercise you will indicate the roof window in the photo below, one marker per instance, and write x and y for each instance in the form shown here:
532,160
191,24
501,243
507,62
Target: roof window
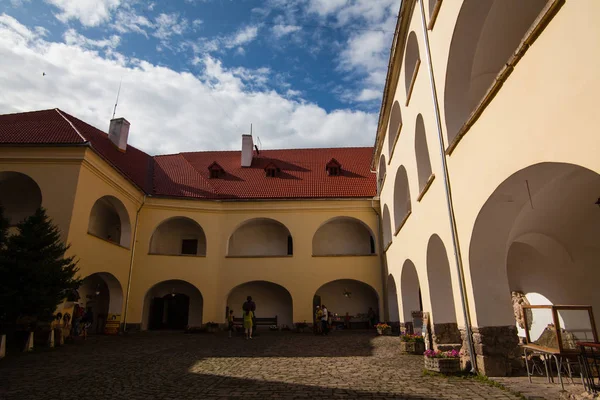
333,167
215,170
272,170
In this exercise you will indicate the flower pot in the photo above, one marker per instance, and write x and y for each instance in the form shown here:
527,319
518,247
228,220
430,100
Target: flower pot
443,365
412,347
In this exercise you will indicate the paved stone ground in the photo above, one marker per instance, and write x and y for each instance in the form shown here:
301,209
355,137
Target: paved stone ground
540,389
167,365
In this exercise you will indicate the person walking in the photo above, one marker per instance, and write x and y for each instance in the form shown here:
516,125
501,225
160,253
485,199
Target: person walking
248,316
324,319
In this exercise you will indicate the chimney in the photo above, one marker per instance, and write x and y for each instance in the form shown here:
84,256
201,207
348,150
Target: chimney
118,132
247,150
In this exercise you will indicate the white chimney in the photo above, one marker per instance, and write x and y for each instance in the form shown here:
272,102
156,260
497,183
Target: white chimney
118,132
247,150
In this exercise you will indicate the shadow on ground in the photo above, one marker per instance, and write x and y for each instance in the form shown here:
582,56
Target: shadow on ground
274,365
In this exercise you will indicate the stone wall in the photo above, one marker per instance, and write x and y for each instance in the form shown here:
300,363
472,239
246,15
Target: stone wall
496,349
446,336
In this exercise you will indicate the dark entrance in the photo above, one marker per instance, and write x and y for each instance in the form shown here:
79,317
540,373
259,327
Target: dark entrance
169,312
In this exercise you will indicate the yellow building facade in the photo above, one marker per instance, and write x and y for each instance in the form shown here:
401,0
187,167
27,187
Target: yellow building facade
488,170
161,261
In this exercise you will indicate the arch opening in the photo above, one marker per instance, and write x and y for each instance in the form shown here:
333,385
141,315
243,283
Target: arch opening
543,243
486,34
443,312
20,196
387,226
178,236
392,296
272,300
410,290
402,204
109,220
352,297
381,173
422,153
101,294
172,305
260,237
343,236
394,127
411,60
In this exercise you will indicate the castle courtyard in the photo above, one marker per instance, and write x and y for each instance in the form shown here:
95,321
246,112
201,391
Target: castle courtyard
284,365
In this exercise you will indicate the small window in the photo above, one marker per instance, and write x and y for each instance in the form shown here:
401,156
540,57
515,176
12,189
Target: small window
290,249
372,245
189,246
272,170
215,170
333,167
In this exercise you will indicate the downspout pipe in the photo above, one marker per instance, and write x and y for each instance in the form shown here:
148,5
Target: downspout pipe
449,201
137,217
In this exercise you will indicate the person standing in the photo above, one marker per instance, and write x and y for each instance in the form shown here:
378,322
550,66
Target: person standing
249,305
318,324
324,319
248,316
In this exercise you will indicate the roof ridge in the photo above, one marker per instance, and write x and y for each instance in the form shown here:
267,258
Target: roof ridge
72,126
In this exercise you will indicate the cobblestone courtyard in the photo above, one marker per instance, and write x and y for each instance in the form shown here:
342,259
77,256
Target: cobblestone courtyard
168,365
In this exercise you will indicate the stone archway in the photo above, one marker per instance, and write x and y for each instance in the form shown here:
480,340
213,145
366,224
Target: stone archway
102,294
349,296
20,196
445,333
260,237
410,292
174,304
272,300
392,300
537,232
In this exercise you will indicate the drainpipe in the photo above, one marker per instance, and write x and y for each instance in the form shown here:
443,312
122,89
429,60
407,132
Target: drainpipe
137,215
449,202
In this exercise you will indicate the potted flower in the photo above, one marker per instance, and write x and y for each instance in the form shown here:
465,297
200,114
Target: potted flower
383,328
445,362
412,344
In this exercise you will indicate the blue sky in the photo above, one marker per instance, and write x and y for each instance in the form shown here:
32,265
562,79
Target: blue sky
196,73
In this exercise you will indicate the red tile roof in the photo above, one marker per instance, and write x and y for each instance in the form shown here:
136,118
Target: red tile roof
302,171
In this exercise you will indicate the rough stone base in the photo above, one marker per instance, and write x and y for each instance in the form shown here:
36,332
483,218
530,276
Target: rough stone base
496,350
446,337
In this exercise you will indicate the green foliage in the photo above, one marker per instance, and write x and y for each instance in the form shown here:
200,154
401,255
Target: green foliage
36,276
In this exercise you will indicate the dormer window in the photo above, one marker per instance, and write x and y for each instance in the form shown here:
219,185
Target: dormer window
333,167
215,170
271,170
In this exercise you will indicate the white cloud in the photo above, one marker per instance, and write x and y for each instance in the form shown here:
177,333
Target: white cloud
369,95
242,37
127,20
281,30
88,12
168,25
169,111
73,38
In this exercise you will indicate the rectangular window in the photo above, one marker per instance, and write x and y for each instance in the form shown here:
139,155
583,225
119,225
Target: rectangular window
290,246
189,246
372,244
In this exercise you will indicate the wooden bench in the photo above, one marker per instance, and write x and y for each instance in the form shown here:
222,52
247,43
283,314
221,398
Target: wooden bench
258,321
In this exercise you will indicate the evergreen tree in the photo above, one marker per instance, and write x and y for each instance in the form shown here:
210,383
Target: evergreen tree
36,276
